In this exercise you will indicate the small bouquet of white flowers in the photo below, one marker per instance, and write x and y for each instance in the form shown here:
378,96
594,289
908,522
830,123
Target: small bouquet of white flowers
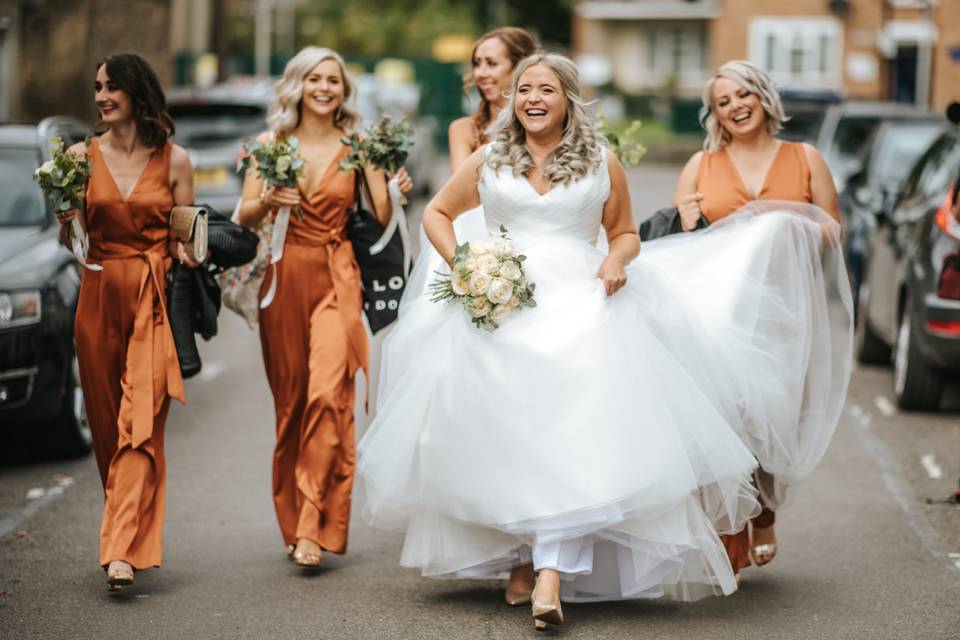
279,165
63,178
488,280
278,162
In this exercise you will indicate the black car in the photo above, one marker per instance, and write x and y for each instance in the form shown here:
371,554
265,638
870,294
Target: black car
41,405
885,161
910,297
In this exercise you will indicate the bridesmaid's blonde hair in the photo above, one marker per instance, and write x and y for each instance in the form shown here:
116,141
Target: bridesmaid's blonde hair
756,81
580,150
283,116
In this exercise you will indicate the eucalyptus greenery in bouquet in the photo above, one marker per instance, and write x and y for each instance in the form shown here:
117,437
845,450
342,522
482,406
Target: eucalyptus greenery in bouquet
279,163
488,280
624,144
63,178
385,145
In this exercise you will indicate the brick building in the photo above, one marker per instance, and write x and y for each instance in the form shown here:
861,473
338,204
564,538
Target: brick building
904,50
49,50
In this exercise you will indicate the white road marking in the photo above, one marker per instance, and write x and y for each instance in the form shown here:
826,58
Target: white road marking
885,407
36,499
930,465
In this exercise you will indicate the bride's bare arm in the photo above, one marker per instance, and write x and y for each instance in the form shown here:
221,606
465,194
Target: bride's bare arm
458,195
622,233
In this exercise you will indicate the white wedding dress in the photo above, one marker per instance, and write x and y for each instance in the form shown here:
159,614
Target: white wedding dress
610,438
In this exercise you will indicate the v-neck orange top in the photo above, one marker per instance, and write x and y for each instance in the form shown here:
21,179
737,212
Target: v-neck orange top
123,334
788,178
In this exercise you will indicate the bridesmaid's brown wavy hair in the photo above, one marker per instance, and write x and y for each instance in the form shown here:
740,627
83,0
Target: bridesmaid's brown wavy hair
136,78
520,43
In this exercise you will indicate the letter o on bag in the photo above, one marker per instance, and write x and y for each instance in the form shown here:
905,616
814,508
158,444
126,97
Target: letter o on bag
395,283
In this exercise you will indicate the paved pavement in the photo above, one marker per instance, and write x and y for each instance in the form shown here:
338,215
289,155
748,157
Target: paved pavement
862,555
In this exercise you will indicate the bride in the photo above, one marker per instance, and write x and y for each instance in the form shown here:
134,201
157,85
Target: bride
596,434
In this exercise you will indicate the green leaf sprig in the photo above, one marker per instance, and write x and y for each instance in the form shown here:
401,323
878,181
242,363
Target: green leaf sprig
624,144
385,145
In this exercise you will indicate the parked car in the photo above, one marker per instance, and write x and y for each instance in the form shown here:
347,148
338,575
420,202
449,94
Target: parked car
887,157
910,297
211,124
41,404
848,126
806,110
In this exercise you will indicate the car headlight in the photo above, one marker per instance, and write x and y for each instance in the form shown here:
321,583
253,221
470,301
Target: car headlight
18,308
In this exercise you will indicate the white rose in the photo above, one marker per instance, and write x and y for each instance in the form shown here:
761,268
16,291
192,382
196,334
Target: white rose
470,264
510,270
500,291
500,313
480,247
514,302
46,167
479,307
502,247
459,285
479,283
283,165
489,263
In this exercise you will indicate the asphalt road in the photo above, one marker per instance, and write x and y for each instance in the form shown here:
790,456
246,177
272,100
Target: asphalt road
862,555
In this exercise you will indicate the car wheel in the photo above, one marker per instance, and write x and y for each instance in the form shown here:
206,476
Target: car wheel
70,436
870,348
915,384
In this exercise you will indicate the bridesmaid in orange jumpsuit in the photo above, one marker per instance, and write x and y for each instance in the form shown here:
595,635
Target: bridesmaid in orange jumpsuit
312,334
128,365
742,162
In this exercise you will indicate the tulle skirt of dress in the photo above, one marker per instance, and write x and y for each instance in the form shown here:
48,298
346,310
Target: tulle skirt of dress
619,425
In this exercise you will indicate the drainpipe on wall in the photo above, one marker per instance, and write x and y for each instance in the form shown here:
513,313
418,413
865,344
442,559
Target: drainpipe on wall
925,60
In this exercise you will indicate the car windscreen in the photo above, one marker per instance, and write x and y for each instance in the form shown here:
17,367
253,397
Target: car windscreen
22,203
210,124
898,149
852,133
803,125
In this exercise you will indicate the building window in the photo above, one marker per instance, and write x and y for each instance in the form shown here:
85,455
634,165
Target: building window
676,51
798,51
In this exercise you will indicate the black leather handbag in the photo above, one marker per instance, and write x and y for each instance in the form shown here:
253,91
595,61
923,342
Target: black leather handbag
382,273
665,222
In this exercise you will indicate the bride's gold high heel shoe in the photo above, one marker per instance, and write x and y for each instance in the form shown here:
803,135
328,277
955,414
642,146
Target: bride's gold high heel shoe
516,596
546,612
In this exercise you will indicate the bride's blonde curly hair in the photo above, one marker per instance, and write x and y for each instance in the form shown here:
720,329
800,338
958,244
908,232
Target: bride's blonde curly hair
580,150
284,112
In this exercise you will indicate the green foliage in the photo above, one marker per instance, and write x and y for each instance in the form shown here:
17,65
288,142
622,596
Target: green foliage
63,178
375,28
625,143
385,145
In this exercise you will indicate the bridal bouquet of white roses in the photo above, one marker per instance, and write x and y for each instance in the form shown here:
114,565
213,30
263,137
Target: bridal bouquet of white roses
63,178
488,279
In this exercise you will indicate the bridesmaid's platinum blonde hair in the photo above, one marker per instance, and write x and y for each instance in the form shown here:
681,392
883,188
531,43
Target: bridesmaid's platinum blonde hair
756,81
580,150
283,116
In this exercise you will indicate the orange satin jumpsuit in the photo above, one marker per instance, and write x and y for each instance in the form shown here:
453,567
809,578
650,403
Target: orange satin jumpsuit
314,341
128,363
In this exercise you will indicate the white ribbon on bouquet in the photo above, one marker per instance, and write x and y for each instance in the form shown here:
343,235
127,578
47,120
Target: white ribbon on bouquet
80,244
